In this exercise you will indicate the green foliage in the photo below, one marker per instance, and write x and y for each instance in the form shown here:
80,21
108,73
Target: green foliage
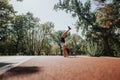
56,37
18,35
94,26
73,44
114,44
7,48
27,37
20,26
23,35
94,49
82,11
55,50
108,16
44,35
6,14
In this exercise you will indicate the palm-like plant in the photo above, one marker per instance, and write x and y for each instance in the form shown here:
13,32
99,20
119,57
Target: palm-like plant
73,44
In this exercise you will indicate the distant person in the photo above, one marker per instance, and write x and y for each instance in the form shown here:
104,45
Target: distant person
64,47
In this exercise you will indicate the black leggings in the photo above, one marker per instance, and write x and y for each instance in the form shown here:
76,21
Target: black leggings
63,40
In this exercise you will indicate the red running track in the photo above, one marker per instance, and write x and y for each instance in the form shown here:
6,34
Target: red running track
70,68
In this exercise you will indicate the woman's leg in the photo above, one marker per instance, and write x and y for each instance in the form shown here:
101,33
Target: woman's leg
65,33
65,51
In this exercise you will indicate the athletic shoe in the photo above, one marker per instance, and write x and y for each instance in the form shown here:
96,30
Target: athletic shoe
69,27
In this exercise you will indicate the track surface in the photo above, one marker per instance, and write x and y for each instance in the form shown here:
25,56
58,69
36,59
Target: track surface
70,68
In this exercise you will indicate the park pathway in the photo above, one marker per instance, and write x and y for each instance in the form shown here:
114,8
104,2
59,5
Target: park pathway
70,68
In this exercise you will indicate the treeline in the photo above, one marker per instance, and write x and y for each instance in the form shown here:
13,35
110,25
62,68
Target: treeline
25,35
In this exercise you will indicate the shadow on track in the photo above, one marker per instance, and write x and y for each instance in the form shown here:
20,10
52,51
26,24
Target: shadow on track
19,71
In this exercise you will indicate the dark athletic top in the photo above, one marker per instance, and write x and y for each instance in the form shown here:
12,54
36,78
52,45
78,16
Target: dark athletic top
63,40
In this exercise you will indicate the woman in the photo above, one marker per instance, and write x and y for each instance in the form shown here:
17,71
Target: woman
64,47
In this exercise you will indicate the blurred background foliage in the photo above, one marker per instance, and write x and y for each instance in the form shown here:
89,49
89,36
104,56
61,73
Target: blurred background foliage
25,35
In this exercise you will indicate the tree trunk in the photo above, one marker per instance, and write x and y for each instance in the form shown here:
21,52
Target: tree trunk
107,50
17,45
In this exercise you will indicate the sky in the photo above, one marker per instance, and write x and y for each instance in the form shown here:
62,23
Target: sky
43,9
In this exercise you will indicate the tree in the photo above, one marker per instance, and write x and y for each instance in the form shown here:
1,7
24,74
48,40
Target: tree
6,14
86,19
55,49
89,22
108,18
20,29
44,37
31,26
